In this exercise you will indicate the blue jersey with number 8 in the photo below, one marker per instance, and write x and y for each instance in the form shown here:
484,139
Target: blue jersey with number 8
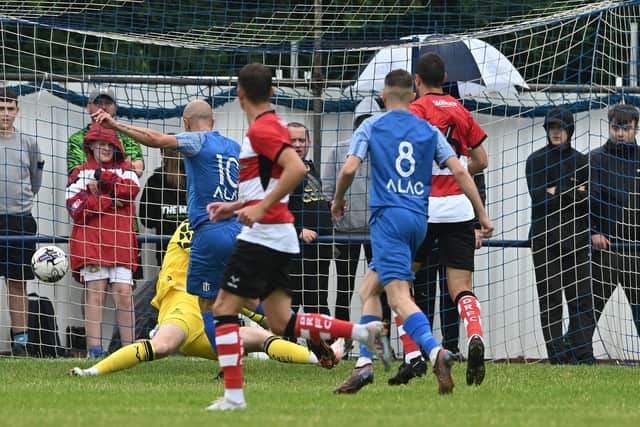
401,149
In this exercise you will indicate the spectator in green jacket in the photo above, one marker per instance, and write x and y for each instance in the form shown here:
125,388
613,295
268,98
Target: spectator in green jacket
102,97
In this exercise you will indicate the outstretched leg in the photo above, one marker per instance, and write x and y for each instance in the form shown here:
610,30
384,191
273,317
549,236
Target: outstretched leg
165,342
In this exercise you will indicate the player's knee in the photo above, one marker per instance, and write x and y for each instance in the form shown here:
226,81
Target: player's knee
123,302
396,305
367,293
123,293
168,339
163,347
96,298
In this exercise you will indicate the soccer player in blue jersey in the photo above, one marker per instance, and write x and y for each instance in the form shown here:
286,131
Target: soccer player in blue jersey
402,149
212,168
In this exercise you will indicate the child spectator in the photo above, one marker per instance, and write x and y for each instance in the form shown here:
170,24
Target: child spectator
103,244
19,184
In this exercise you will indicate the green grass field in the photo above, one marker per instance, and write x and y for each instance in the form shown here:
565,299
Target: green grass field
175,391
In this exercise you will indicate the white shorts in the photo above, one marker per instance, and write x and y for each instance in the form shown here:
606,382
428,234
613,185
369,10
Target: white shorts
90,273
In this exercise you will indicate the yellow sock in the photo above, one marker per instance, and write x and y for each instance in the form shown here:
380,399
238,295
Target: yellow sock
260,319
287,352
126,357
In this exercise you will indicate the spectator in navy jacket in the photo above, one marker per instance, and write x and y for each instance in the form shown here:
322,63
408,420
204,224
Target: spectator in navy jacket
615,208
557,177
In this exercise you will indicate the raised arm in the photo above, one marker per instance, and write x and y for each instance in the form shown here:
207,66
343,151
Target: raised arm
149,137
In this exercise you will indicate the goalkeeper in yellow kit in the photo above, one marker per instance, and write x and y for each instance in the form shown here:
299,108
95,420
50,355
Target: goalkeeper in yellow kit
180,325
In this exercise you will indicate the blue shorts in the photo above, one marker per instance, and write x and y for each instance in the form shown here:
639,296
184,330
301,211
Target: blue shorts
396,235
211,246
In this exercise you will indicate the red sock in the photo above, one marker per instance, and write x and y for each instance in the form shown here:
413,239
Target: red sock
469,309
318,327
230,354
408,344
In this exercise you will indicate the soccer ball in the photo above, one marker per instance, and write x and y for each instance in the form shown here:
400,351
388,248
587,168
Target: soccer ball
49,264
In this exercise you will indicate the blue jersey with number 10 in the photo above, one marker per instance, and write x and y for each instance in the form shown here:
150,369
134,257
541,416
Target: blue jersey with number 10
401,150
212,168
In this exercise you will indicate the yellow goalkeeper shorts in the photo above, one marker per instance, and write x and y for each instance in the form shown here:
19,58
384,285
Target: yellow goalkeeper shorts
182,310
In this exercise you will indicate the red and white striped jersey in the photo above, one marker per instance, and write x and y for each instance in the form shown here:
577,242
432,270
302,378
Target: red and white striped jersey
447,202
259,174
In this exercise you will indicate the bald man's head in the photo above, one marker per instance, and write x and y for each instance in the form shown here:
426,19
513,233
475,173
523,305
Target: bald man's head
197,116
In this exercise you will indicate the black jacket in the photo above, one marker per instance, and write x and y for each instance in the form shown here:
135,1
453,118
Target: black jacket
162,208
310,208
563,216
615,176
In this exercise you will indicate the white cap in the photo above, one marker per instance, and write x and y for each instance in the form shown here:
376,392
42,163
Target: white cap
99,91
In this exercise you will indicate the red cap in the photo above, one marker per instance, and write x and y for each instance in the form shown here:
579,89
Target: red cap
98,133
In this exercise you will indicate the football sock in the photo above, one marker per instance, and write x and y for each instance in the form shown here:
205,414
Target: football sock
95,352
285,351
210,328
411,349
260,319
230,351
365,355
316,327
363,361
469,309
126,357
418,328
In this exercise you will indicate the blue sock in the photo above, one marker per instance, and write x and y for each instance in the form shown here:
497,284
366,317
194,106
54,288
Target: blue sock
363,348
21,338
210,329
95,352
418,328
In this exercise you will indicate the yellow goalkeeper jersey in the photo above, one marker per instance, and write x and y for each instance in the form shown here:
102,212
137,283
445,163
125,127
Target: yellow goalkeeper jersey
173,274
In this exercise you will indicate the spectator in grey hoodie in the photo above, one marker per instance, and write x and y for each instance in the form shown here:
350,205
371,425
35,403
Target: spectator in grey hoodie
356,215
19,184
